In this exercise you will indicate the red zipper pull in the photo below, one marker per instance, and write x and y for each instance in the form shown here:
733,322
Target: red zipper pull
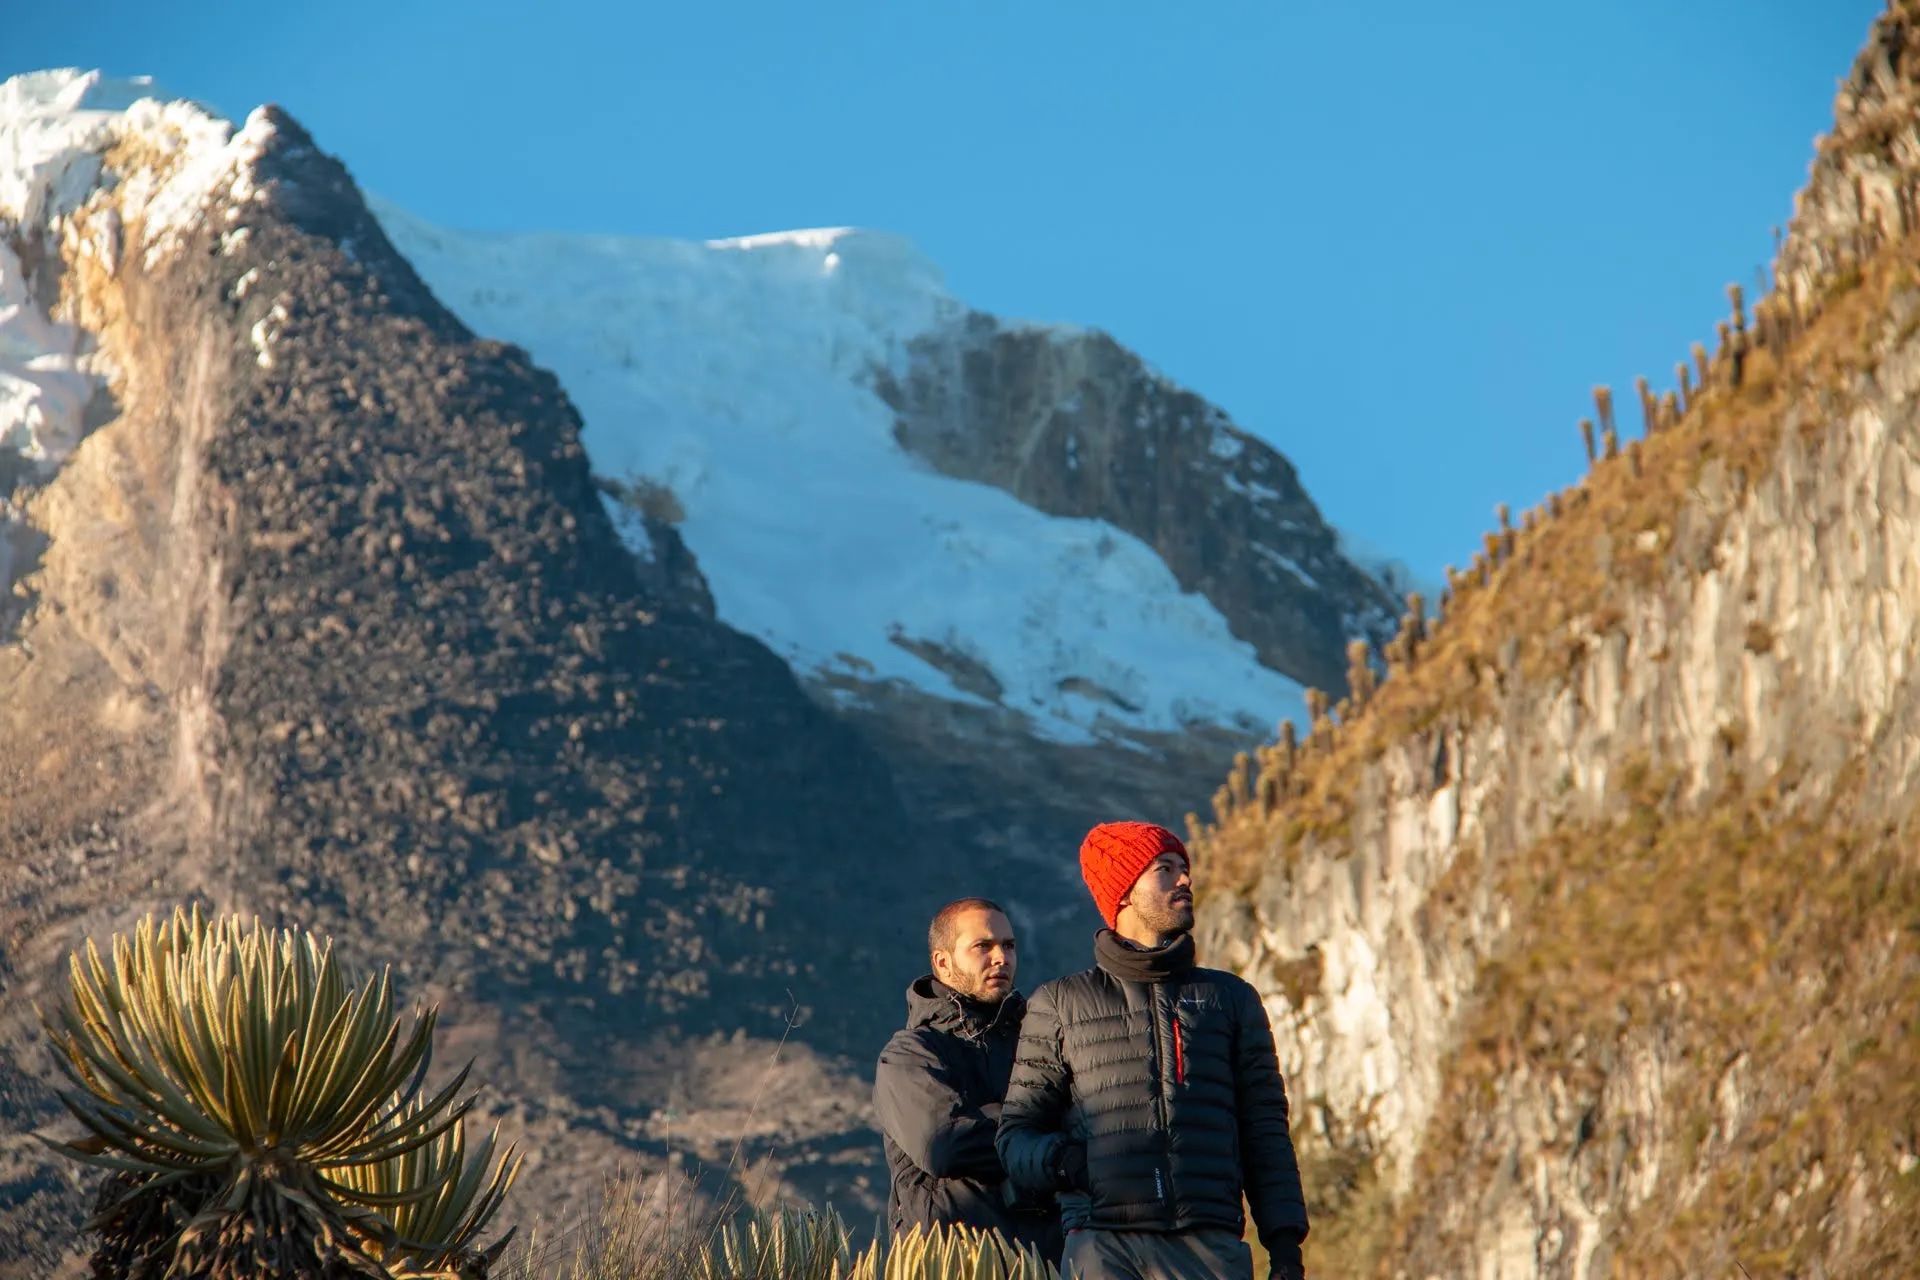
1179,1058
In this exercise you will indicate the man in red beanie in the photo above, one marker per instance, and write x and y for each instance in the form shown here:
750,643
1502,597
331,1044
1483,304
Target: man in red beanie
1145,1090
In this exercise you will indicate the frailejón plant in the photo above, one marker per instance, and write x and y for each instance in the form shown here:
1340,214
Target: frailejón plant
788,1245
262,1111
953,1253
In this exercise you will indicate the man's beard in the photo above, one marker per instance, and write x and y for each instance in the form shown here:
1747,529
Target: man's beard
974,987
1167,919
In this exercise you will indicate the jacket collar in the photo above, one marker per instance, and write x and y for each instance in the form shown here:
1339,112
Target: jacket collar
1133,963
932,1003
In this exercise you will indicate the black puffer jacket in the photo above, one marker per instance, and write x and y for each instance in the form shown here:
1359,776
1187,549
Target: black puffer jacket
937,1090
1165,1075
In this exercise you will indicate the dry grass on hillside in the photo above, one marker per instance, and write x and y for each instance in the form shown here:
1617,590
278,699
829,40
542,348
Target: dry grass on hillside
1532,608
1745,930
641,1228
1767,956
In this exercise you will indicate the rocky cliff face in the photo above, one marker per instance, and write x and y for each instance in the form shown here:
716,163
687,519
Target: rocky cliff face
1075,425
1590,934
1072,423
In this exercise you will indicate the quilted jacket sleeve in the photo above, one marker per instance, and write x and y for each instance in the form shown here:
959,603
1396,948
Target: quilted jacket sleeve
920,1107
1269,1171
1037,1098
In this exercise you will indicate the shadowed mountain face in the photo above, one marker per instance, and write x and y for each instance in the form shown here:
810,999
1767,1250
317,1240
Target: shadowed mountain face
331,625
450,697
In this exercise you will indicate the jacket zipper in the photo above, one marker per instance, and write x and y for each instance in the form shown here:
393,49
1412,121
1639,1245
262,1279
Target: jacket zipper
1161,1181
1179,1058
1159,1065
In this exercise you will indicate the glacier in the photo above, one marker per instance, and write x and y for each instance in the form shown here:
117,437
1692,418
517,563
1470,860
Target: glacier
739,374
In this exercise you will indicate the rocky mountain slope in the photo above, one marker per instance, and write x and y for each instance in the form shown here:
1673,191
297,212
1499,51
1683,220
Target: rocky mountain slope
1593,933
329,624
322,606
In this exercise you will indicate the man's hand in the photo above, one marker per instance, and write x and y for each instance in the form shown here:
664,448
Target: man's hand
1022,1202
1284,1261
1069,1165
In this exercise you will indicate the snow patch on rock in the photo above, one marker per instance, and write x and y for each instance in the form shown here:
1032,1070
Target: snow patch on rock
45,381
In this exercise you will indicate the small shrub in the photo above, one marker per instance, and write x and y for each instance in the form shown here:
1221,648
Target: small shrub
655,501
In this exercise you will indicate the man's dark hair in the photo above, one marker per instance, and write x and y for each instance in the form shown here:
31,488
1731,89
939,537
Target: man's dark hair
940,932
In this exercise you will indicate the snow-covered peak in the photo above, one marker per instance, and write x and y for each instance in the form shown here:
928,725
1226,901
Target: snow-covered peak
739,374
57,126
53,127
53,124
881,280
174,160
45,378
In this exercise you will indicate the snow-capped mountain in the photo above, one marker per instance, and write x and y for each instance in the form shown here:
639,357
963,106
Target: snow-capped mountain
812,411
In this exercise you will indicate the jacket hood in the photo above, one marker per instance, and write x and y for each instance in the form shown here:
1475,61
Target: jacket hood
932,1003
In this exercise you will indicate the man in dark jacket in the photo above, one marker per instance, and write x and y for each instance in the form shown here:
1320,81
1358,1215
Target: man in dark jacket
1146,1091
939,1083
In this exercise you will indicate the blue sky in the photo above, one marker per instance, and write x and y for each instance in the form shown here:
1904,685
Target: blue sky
1401,240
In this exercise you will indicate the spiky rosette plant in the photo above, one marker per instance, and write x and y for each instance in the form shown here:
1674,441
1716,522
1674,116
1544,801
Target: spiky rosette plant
438,1198
262,1112
787,1245
953,1253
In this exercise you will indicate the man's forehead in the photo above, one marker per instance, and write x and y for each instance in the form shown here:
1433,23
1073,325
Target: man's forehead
982,922
1171,857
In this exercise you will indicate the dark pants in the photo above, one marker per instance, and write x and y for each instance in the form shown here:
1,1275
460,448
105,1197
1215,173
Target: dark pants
1153,1255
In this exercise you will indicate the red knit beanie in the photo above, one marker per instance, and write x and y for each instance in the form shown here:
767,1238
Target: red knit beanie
1115,853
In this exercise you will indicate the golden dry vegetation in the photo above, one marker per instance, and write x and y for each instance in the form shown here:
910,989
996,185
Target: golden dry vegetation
1749,943
1531,608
